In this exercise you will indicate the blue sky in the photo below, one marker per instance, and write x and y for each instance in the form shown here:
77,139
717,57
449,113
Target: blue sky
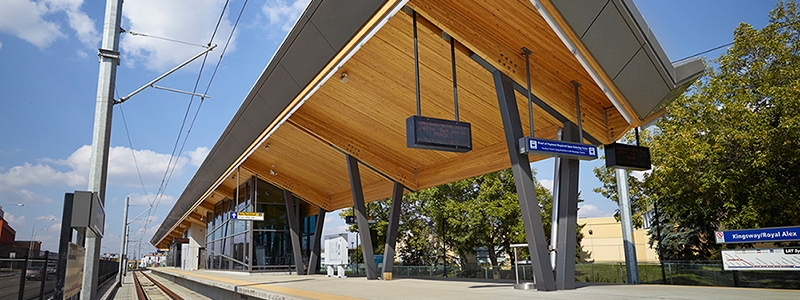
48,82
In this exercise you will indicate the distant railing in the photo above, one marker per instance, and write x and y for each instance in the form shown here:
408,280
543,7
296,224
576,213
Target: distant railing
705,273
35,277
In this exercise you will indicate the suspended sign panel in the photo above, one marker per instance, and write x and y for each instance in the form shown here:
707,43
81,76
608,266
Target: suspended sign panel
778,259
629,157
529,145
249,216
438,134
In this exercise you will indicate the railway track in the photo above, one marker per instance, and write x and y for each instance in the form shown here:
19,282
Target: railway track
148,288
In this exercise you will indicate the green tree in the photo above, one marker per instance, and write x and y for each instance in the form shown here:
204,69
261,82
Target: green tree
482,211
728,154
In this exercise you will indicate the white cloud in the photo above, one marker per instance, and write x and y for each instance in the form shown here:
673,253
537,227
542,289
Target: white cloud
38,174
27,196
78,20
24,19
547,183
197,156
188,21
283,15
47,217
122,170
32,21
591,211
14,221
1,45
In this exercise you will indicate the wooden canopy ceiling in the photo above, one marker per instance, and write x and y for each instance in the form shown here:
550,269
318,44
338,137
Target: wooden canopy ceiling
364,116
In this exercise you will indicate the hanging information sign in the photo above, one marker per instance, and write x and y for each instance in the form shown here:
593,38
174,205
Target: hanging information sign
529,145
627,157
438,134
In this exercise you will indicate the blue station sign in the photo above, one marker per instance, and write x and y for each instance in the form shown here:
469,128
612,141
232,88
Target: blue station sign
529,145
773,234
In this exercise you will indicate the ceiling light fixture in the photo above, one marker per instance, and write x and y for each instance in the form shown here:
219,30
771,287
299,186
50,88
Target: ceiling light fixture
272,171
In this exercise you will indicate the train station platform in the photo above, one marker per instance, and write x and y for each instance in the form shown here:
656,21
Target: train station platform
227,285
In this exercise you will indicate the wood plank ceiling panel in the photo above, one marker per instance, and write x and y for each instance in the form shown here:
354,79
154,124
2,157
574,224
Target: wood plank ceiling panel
498,35
369,110
365,116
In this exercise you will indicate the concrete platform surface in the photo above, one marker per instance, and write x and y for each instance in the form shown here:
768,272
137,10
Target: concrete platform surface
320,287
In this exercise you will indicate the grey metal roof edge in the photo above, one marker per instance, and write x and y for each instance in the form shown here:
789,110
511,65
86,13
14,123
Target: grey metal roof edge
692,68
192,193
212,168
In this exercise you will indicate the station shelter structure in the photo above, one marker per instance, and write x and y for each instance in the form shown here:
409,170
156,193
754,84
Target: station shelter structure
324,125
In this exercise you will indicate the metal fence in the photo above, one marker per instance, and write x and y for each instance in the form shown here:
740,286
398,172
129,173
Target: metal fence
705,273
34,276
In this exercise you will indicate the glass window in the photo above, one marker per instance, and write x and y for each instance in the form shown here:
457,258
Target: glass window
271,248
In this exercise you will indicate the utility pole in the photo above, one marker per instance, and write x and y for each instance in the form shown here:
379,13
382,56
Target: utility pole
122,242
98,172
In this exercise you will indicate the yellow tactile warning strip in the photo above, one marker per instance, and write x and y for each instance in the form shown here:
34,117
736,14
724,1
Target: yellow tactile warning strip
248,288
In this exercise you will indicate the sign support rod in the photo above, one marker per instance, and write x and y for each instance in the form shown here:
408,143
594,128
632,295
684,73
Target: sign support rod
416,62
578,108
455,84
527,52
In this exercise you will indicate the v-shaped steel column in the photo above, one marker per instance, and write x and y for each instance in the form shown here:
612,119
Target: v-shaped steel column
391,234
566,238
293,217
361,218
313,259
523,178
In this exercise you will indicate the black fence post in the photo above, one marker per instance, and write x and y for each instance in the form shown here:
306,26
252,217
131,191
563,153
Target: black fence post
44,274
735,278
22,276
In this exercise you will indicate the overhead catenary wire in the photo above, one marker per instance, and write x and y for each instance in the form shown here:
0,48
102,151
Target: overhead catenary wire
173,162
723,46
170,170
165,39
197,112
133,153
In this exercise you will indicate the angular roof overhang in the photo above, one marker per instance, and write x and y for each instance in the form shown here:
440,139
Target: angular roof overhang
300,119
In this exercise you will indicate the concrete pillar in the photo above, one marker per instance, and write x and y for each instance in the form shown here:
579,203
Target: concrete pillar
191,254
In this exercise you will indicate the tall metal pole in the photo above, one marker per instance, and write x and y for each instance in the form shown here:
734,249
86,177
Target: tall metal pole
107,75
627,226
554,219
122,241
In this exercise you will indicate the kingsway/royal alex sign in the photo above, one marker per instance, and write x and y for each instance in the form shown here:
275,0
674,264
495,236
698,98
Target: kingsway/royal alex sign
774,234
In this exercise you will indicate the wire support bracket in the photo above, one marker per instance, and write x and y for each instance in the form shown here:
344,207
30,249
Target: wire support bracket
151,83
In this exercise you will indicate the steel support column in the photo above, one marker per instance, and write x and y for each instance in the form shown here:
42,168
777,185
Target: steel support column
626,219
523,178
567,213
101,136
293,217
313,258
361,218
391,231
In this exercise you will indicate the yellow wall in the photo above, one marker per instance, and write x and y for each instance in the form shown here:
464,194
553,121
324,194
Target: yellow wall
605,242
